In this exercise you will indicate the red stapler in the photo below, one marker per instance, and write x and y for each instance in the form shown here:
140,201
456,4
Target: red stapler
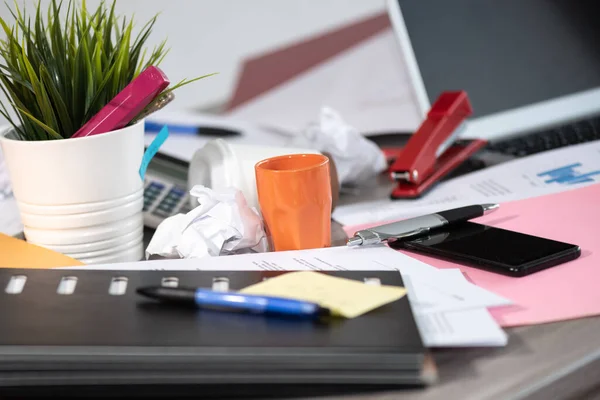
433,151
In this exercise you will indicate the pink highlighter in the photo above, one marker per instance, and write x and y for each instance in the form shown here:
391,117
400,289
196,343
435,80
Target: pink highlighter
127,104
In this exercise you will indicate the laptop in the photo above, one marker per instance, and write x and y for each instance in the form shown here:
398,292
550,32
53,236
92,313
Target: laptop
531,68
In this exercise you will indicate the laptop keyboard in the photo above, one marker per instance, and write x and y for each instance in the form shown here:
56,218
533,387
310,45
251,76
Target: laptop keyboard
537,142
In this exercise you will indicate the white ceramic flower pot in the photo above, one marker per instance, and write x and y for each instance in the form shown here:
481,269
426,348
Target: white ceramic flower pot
65,188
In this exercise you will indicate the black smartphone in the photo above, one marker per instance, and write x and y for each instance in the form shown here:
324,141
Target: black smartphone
497,250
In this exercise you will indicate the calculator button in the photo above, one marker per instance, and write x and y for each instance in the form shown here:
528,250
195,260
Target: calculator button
178,191
168,203
165,204
165,207
156,185
153,193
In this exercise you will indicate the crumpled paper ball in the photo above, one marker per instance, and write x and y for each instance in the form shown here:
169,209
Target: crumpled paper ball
357,158
221,224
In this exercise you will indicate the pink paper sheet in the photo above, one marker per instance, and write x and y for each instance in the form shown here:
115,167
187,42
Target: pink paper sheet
567,291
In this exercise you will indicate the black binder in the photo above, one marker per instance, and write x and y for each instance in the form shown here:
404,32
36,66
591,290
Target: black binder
94,338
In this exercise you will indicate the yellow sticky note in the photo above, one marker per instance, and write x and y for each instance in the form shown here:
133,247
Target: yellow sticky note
346,297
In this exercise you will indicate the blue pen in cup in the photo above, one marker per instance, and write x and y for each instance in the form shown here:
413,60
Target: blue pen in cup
233,301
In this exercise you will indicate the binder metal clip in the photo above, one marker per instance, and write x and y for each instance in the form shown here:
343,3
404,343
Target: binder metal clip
433,151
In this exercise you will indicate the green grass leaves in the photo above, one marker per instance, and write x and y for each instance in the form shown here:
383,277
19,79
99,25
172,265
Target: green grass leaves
58,68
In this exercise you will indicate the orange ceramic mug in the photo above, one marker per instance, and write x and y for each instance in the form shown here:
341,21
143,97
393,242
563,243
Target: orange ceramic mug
294,193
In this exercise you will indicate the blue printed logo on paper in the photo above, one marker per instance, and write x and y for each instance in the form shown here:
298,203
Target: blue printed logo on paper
568,175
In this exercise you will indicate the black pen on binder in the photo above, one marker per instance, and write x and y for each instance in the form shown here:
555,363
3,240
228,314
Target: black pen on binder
413,227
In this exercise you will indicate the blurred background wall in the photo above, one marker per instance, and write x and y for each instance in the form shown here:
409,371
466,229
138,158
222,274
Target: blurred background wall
208,36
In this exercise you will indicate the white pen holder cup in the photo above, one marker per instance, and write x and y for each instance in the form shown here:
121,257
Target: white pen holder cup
220,164
67,187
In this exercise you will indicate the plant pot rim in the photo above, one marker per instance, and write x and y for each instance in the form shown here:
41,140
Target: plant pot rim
7,130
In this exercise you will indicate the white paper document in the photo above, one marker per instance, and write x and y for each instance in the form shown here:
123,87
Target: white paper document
471,328
457,318
448,290
553,171
376,258
449,310
10,219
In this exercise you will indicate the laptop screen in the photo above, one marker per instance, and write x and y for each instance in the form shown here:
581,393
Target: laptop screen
505,54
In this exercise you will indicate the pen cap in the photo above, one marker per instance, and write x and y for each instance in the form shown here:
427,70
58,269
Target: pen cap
220,164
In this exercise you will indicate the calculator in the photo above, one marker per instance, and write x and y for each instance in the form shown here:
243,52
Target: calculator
165,189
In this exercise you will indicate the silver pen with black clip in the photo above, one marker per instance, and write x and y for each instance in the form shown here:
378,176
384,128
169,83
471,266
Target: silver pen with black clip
413,227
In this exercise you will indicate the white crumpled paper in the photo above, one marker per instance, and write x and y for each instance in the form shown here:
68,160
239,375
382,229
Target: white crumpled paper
221,224
357,159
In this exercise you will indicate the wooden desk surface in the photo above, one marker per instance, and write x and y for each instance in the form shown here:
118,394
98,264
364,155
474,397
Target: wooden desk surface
550,361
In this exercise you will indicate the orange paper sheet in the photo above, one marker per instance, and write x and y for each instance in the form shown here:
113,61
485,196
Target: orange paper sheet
16,253
567,291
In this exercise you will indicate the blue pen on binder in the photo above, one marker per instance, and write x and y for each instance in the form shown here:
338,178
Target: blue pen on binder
235,301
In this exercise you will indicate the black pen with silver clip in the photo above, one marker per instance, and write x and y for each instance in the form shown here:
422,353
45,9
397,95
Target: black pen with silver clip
413,227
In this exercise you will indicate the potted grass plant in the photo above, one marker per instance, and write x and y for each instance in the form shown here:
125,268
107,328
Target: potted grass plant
58,68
